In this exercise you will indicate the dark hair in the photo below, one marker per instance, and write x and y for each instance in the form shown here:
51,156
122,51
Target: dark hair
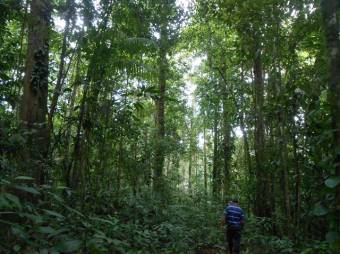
235,200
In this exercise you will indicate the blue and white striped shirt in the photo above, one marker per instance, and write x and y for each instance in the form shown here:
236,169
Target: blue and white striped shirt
233,216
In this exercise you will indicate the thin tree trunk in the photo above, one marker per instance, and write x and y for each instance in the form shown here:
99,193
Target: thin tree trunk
120,164
246,144
190,154
297,183
78,142
59,85
160,106
147,155
76,85
226,144
282,118
284,165
215,170
205,160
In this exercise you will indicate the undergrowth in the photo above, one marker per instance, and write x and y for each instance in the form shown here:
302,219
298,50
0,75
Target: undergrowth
49,220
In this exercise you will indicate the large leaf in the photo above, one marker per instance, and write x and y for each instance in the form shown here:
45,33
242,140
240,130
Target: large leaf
320,210
14,199
27,178
27,189
332,236
332,182
68,246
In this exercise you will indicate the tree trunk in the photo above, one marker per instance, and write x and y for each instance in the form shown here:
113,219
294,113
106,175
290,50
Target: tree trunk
190,155
226,143
246,150
297,182
120,164
76,85
262,181
331,25
205,160
282,139
246,144
215,169
147,162
282,118
160,115
60,79
34,104
75,175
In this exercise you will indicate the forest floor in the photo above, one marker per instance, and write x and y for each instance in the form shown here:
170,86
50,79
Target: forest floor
222,250
127,224
245,249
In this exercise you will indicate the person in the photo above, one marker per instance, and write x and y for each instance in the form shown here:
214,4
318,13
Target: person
234,219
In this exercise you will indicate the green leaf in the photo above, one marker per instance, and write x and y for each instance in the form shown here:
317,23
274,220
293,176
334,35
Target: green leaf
35,218
16,248
14,199
53,213
74,211
332,182
43,251
24,178
332,236
46,230
113,223
320,210
27,189
4,202
59,231
20,231
68,246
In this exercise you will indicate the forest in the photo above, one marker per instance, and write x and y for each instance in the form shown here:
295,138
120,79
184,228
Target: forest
126,126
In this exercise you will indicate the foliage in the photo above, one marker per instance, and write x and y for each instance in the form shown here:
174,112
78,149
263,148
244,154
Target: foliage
158,112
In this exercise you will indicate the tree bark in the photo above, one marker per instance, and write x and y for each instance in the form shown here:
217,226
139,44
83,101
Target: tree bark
215,170
226,143
190,153
262,181
160,115
297,182
331,25
205,160
34,103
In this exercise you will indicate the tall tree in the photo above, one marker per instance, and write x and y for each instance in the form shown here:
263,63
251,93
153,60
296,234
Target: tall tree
262,186
34,102
331,26
160,106
167,22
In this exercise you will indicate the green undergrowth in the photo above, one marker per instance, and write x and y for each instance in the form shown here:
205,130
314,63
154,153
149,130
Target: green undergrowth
52,220
258,238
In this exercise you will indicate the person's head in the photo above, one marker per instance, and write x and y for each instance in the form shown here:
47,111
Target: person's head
234,199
